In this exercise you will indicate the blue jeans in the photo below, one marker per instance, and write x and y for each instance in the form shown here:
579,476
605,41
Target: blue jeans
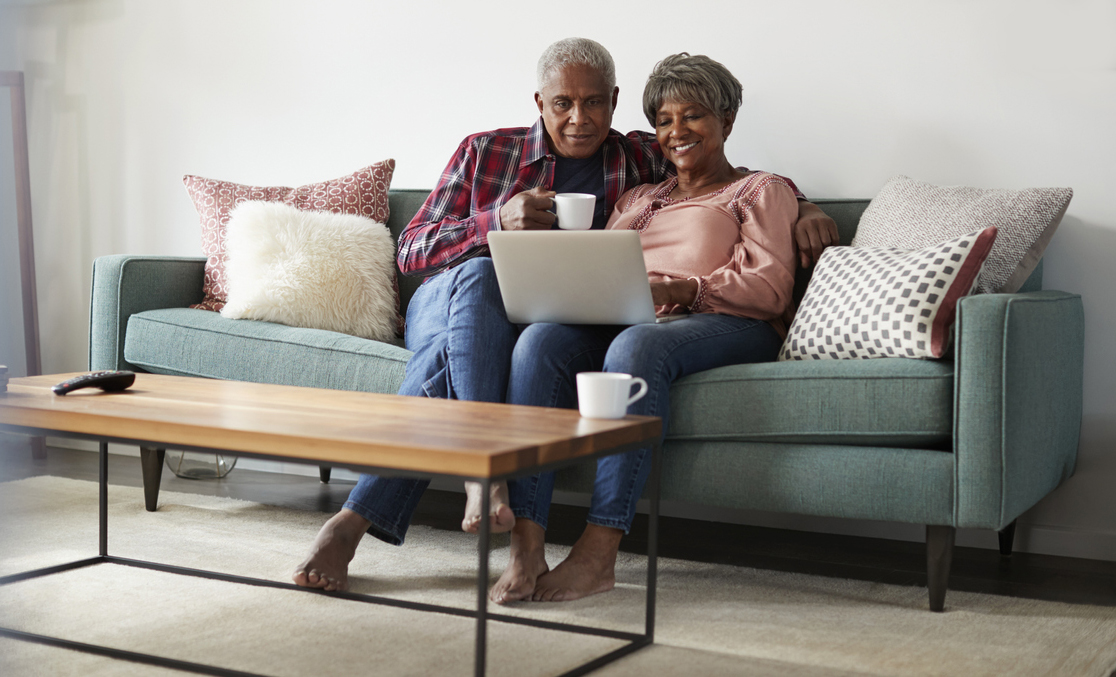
548,357
462,343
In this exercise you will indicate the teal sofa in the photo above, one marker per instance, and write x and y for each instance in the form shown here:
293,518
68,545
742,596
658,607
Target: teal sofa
971,441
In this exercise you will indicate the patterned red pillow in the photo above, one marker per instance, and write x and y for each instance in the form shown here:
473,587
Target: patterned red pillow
364,193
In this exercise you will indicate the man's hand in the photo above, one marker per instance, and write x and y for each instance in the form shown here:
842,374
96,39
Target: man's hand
813,232
674,293
528,211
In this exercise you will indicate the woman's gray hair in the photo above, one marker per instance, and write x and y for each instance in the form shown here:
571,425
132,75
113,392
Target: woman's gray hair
576,52
695,79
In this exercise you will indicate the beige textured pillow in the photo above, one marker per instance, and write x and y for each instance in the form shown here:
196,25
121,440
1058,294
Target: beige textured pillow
310,269
909,214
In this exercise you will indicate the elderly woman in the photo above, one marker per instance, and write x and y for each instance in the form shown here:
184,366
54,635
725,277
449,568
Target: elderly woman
720,252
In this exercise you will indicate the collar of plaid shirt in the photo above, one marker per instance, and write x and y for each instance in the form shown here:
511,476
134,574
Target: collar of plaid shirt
623,170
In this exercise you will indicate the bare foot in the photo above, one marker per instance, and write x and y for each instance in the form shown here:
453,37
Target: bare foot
327,565
527,563
590,568
502,518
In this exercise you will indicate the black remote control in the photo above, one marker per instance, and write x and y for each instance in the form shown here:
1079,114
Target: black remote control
109,381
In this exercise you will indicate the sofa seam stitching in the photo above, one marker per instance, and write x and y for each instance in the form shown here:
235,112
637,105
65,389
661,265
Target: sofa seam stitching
286,343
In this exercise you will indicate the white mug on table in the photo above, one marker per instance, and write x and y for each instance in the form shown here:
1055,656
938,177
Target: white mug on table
575,210
607,395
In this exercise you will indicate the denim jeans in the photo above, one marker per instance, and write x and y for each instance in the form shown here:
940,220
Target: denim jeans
548,357
462,343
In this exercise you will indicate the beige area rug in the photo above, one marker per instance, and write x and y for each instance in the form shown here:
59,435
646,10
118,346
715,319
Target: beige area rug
712,619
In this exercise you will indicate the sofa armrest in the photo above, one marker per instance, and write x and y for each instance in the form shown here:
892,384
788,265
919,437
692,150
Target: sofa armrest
1018,402
124,285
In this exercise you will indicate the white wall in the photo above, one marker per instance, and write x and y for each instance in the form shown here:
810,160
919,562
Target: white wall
126,96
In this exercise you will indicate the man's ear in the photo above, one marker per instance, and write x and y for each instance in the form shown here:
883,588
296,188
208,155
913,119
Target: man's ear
539,102
615,94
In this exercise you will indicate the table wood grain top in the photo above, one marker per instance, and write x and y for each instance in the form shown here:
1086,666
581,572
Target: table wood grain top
471,439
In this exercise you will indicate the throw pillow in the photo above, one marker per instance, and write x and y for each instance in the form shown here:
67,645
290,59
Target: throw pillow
364,192
909,214
867,302
310,269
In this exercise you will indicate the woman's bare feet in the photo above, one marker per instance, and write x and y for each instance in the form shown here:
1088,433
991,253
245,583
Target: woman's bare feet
502,518
327,565
527,563
590,568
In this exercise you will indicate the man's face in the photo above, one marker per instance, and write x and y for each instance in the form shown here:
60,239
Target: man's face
576,107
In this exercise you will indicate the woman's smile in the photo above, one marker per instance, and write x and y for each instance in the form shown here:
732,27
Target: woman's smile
691,136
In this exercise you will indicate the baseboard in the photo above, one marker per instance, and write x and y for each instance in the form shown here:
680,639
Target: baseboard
1032,538
303,469
87,445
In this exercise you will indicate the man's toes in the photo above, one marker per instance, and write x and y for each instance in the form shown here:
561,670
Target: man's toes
331,584
514,586
309,579
508,595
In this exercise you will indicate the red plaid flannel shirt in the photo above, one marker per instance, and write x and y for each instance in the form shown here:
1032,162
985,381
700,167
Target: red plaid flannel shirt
489,169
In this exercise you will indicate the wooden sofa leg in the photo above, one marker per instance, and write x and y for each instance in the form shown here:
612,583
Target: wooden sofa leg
152,461
1007,539
323,473
939,556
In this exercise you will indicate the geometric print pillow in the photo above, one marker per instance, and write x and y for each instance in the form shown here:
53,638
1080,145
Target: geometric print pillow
363,193
868,302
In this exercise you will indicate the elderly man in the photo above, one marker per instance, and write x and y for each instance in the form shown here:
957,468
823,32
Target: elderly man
456,326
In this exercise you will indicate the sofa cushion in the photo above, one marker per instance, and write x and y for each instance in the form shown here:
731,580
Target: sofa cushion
891,402
189,342
311,269
909,214
873,302
364,192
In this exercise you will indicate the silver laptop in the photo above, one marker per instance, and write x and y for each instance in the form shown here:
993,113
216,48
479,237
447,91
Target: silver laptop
572,277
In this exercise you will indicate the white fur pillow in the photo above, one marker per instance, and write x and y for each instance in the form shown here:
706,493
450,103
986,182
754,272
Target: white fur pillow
310,269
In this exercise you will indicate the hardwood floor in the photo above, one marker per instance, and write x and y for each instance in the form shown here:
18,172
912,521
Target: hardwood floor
1025,575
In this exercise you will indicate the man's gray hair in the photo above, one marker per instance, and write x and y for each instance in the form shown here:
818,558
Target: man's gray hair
576,52
694,79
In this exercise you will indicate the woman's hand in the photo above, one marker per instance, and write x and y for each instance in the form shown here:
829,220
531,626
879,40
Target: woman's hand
813,232
674,292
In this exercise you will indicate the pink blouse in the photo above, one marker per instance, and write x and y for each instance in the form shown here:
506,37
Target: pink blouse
737,243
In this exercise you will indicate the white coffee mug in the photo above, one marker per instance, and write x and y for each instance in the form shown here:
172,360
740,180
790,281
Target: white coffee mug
575,210
607,395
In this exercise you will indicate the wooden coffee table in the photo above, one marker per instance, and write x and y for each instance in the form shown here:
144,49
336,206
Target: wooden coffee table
381,434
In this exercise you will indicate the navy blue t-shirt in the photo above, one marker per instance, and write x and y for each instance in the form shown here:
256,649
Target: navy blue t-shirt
586,175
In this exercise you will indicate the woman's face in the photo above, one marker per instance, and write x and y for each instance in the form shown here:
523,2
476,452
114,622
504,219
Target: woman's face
692,136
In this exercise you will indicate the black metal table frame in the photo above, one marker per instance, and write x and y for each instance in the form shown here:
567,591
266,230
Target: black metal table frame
481,614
